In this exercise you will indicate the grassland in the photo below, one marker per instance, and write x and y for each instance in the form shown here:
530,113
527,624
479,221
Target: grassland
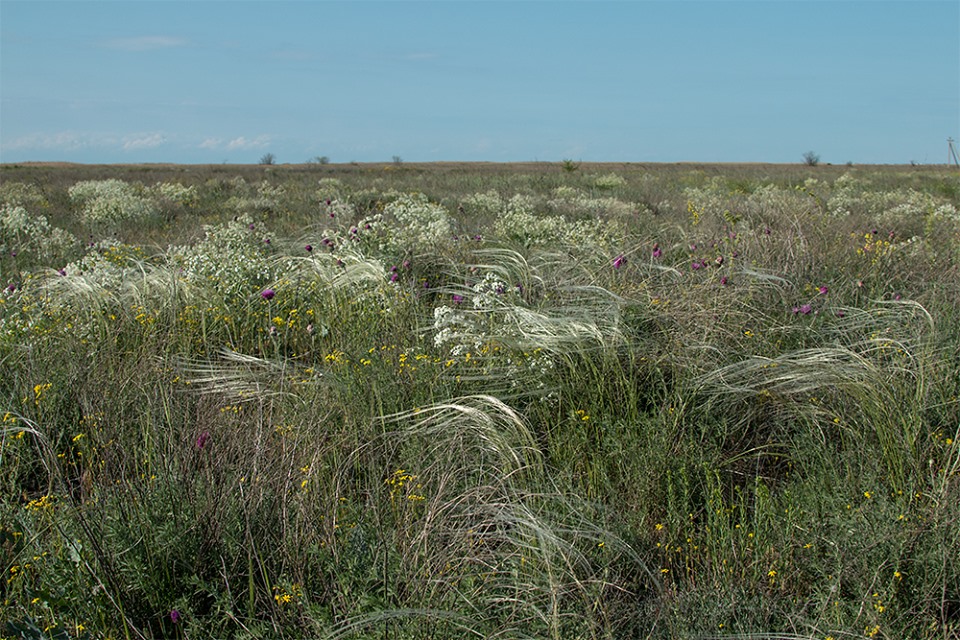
470,400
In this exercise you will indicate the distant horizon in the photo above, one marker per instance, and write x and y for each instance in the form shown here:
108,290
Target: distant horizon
649,81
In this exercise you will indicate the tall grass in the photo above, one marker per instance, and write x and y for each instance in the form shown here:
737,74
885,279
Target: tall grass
624,401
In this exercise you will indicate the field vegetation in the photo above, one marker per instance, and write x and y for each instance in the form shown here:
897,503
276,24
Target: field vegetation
492,401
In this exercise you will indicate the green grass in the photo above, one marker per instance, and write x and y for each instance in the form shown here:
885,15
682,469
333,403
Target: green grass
509,417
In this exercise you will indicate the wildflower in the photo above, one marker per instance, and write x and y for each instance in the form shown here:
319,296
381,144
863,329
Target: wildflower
394,277
267,294
657,252
719,261
11,287
203,439
823,290
723,280
406,264
309,248
174,616
619,261
457,298
266,241
697,265
62,272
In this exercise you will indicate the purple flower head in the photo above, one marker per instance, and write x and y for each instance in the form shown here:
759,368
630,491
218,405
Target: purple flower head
251,226
309,248
394,277
393,269
328,202
267,294
805,309
477,238
719,261
202,440
766,231
11,287
619,261
406,264
823,290
697,265
266,241
367,226
457,298
353,230
657,252
333,215
62,272
174,616
723,280
841,313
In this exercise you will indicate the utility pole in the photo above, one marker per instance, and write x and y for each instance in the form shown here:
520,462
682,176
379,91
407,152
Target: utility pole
952,153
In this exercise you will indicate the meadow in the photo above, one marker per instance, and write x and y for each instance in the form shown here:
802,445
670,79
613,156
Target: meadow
537,400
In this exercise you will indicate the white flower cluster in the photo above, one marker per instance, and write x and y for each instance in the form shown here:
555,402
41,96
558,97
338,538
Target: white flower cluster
609,181
111,202
329,189
573,202
488,317
483,203
420,224
175,193
21,194
518,223
266,198
852,196
231,259
32,236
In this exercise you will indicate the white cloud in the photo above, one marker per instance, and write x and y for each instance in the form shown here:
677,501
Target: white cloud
211,143
150,141
243,143
145,43
61,141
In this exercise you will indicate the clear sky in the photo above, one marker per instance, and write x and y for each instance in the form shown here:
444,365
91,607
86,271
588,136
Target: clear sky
875,81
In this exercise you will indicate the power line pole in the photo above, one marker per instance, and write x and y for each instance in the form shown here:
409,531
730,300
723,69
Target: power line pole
952,153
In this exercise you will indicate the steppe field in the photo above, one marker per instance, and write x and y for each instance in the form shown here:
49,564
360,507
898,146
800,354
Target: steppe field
427,401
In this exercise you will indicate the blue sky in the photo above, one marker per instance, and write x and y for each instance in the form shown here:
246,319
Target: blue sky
876,81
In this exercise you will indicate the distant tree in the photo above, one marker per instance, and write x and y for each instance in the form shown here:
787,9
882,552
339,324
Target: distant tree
570,166
268,158
397,160
811,159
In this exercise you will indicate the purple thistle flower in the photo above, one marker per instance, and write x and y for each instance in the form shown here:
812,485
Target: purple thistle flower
174,616
697,265
657,252
309,248
823,290
62,272
266,241
394,277
805,309
202,441
406,264
11,287
267,294
723,281
619,261
251,226
457,298
795,310
353,230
